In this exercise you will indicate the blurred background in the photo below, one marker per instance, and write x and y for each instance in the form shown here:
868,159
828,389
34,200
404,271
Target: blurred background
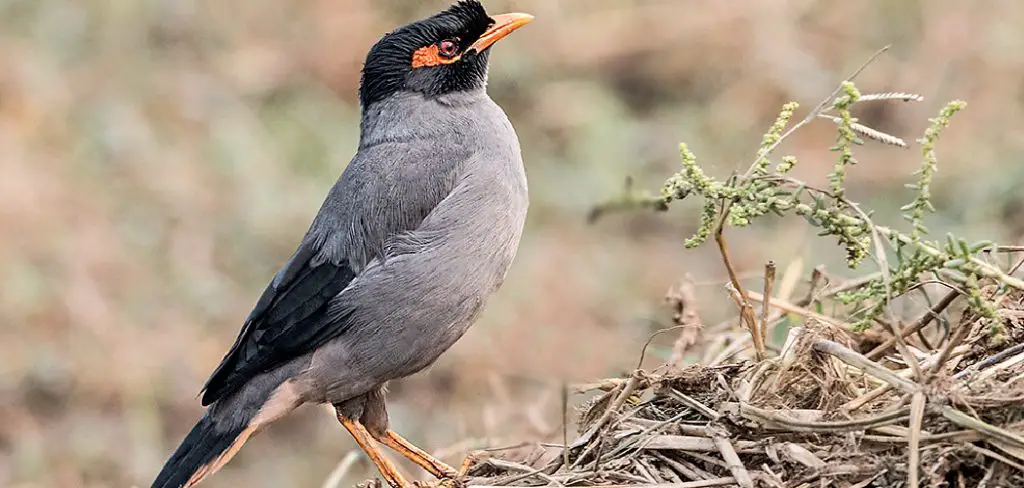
160,159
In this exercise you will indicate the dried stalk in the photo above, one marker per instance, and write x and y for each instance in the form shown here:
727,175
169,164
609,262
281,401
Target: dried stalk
732,460
921,323
917,405
768,418
769,283
868,366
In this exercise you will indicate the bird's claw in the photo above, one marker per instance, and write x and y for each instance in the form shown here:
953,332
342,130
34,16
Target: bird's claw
450,483
455,479
471,460
441,483
374,483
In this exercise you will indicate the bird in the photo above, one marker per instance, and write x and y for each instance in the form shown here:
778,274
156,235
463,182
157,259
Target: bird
419,230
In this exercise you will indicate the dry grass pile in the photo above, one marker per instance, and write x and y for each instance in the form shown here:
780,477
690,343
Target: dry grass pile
821,413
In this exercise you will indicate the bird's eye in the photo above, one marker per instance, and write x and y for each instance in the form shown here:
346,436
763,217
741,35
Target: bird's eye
448,48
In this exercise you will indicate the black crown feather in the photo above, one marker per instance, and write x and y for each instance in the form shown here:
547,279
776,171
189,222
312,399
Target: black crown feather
388,64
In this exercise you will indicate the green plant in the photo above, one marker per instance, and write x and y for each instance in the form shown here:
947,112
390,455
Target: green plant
770,189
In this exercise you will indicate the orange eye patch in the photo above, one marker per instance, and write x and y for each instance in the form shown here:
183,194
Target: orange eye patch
431,56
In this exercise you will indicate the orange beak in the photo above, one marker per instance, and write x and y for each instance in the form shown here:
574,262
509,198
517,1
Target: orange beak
504,25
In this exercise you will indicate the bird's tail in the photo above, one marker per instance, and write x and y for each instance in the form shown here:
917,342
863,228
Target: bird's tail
209,445
218,436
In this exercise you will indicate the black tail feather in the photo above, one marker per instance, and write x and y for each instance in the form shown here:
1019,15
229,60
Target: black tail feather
203,446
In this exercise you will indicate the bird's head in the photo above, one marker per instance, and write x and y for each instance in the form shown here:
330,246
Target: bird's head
441,54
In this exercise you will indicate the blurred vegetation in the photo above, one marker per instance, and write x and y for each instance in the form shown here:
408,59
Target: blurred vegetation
160,159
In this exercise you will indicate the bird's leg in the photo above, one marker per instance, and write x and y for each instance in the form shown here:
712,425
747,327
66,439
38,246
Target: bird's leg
470,461
365,441
375,417
407,449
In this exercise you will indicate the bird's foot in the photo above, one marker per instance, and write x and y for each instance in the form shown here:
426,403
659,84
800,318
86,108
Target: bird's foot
451,483
471,460
441,483
455,479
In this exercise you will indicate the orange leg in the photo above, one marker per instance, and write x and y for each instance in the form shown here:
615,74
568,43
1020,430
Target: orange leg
365,441
433,465
471,460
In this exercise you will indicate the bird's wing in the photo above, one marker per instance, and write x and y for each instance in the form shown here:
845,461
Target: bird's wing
288,320
291,318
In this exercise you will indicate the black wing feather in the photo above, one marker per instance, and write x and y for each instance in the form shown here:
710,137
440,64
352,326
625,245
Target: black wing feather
288,320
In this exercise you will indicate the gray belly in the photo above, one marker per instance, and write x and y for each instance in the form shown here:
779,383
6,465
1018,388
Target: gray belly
401,314
401,344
